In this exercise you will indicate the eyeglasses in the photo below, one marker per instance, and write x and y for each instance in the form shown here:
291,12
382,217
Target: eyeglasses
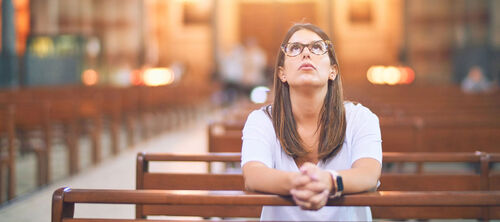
295,48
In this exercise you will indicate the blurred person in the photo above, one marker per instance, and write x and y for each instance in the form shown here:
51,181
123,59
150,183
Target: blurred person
178,69
254,66
232,72
309,143
122,76
476,82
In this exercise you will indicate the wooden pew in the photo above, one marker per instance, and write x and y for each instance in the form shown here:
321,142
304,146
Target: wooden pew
442,181
31,121
90,115
130,102
190,181
399,134
63,115
112,113
225,136
7,153
494,181
435,181
64,200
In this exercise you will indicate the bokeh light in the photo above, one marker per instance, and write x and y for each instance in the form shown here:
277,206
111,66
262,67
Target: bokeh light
259,94
390,75
90,77
158,76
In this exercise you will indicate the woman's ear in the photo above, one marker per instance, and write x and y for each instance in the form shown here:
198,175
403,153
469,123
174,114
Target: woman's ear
333,72
281,74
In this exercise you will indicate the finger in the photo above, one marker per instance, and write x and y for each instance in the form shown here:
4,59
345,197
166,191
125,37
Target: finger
306,206
302,204
311,170
319,200
303,195
307,167
316,186
316,202
300,181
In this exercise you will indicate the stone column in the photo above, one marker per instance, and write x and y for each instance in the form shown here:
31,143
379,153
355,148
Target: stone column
8,57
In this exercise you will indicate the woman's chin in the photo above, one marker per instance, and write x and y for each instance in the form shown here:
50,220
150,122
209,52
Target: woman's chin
312,80
308,83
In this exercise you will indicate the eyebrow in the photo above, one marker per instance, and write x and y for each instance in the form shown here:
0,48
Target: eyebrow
307,43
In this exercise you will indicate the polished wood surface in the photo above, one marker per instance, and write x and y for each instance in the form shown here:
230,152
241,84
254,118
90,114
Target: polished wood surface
203,197
481,180
64,199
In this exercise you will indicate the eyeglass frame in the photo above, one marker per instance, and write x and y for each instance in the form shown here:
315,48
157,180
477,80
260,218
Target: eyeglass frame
309,46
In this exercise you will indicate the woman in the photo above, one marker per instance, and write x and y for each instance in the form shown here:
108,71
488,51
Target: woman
309,143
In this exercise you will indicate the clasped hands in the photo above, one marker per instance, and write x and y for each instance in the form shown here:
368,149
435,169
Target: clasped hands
311,187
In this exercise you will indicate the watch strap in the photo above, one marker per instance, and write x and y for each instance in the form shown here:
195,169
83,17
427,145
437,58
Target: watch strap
338,183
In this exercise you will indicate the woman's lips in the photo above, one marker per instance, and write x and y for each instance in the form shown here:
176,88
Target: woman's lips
307,66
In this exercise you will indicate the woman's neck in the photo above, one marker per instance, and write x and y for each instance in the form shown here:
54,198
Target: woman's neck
306,104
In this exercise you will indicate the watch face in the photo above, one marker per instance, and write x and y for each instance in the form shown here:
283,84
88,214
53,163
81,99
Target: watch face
340,184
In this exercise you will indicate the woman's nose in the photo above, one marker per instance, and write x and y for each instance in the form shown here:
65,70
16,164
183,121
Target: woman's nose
306,52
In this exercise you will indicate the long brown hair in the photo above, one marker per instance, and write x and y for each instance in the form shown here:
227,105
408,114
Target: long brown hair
332,123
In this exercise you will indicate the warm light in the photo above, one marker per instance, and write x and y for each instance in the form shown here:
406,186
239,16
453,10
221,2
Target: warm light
378,75
137,77
404,75
42,46
158,76
90,77
22,23
259,94
369,74
391,75
411,75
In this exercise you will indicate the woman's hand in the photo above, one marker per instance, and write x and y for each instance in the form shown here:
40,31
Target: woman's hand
311,187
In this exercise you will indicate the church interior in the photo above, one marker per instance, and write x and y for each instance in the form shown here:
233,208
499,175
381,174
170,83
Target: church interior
92,90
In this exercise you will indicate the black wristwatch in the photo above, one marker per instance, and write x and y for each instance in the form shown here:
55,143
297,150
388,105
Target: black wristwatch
338,180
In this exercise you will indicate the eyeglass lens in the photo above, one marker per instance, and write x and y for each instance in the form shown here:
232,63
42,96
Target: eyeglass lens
295,48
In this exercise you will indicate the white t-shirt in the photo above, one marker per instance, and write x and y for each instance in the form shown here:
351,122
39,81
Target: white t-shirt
362,140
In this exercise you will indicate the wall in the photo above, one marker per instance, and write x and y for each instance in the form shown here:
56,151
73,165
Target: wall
362,44
190,44
357,45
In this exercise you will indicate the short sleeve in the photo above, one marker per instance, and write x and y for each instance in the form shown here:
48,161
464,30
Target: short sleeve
258,139
366,139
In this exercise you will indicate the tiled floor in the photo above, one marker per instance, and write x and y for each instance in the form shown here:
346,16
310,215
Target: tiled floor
113,173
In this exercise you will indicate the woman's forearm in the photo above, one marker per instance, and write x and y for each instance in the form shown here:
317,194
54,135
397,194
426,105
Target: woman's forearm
362,177
259,177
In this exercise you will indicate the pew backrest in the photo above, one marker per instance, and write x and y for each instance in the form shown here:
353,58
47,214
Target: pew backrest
390,182
190,181
399,134
64,200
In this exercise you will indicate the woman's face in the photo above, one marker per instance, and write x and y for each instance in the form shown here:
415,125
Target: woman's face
307,68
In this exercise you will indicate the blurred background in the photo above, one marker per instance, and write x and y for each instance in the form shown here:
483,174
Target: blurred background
112,42
82,80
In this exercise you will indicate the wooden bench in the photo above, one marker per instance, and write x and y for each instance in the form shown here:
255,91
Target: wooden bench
31,121
420,180
7,153
64,200
405,134
436,181
189,181
225,136
494,181
56,115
